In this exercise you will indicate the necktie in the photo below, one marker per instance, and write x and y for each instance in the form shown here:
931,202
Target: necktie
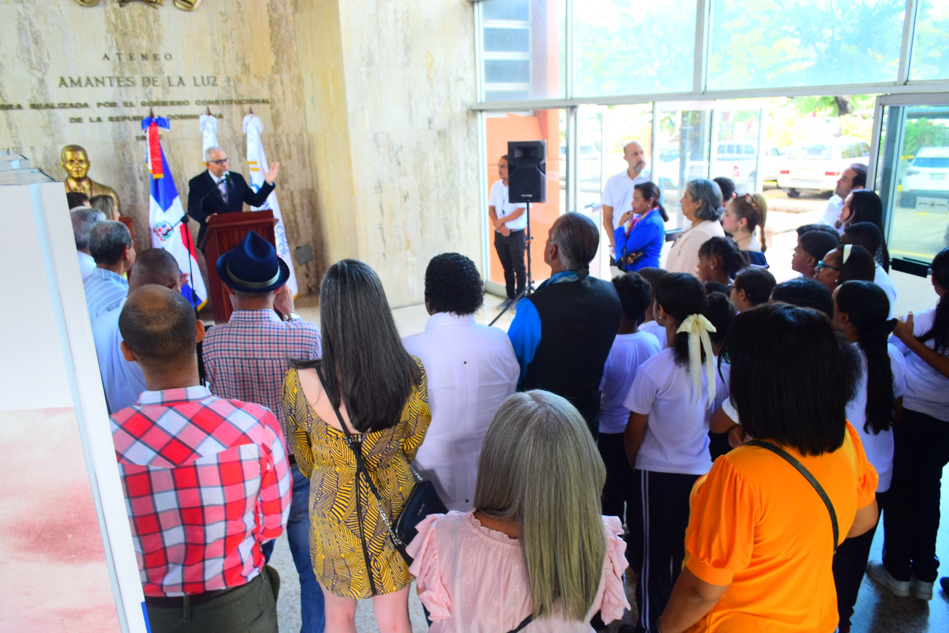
222,185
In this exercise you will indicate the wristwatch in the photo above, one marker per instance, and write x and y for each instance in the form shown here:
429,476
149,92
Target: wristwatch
292,316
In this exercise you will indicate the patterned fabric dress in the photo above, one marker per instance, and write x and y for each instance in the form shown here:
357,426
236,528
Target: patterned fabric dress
324,457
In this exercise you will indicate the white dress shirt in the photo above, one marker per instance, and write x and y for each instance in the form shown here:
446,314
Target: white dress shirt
86,264
503,207
618,193
122,381
471,370
105,290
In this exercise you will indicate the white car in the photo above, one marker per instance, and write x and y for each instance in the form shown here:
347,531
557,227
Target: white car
816,165
927,176
738,160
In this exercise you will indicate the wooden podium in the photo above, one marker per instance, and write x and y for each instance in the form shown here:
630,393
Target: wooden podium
225,231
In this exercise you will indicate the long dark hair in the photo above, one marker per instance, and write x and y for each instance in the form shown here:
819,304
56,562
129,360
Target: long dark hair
364,363
860,266
939,332
866,206
791,378
681,295
650,191
727,251
868,308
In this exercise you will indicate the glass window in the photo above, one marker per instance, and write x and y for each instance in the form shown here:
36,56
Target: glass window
634,47
931,48
810,151
804,43
546,125
738,123
683,145
524,49
864,149
846,151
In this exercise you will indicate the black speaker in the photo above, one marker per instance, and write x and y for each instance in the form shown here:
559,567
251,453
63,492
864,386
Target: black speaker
527,171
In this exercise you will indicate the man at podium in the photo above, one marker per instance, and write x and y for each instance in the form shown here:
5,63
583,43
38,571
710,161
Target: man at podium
219,190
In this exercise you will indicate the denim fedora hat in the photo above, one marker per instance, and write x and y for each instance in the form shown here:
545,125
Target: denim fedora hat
253,266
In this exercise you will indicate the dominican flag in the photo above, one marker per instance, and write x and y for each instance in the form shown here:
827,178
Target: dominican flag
257,162
165,214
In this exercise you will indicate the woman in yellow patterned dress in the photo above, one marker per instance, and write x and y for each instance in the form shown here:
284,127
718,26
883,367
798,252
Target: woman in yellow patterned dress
381,394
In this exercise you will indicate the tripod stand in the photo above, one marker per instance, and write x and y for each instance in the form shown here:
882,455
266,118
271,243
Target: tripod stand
529,286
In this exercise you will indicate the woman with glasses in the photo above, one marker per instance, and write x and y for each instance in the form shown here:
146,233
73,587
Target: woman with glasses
847,262
701,205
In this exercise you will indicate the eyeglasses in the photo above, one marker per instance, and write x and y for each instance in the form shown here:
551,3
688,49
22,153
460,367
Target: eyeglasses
220,161
821,264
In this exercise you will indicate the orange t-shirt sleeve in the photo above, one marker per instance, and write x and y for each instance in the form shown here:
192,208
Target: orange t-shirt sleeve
867,478
721,532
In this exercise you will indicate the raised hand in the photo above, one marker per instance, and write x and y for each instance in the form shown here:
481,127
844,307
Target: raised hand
271,175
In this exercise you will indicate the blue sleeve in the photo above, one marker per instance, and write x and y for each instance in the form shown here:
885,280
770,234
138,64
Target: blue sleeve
619,241
644,234
525,335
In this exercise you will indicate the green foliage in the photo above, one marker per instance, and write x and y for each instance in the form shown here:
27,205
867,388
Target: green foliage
919,133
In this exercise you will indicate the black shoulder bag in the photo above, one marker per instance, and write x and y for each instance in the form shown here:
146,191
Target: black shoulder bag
423,501
777,450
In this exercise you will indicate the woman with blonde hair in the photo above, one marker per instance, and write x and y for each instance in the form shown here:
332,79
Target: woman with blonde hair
743,216
535,554
106,204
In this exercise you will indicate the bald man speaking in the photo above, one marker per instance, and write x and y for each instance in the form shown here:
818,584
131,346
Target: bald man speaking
618,193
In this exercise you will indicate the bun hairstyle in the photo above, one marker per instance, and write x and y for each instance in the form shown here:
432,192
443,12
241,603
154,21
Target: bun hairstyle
681,295
650,191
727,251
858,263
868,307
939,333
753,208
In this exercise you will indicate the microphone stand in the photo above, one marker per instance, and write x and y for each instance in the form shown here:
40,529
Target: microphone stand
529,287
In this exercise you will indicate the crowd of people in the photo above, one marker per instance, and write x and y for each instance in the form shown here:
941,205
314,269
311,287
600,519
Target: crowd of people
723,442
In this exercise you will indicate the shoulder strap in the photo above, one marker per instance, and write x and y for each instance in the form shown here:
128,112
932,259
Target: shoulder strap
777,450
356,448
523,623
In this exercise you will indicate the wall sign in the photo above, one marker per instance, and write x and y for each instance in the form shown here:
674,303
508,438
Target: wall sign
184,5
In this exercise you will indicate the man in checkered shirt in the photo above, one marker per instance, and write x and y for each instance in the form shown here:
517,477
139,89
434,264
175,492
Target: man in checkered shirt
206,480
246,358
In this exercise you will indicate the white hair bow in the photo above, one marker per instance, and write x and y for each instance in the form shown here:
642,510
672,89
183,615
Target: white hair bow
698,327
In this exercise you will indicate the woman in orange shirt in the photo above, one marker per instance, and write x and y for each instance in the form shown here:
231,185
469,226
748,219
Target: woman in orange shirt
760,541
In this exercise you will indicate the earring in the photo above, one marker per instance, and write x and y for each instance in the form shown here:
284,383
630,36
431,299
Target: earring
713,266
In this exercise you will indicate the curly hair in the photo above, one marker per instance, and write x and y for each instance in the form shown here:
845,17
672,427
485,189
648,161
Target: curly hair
453,284
635,295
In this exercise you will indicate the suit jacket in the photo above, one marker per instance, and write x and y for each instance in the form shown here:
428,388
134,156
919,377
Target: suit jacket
205,198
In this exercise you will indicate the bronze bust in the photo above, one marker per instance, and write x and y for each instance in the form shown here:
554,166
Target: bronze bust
75,161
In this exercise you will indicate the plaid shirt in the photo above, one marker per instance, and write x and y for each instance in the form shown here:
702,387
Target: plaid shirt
246,358
206,482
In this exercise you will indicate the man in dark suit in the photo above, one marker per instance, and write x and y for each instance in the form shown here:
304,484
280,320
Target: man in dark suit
221,191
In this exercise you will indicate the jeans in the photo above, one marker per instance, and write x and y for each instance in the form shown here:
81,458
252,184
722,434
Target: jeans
298,535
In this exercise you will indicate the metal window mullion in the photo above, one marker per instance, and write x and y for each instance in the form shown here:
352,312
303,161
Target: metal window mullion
875,143
909,36
572,154
703,19
479,52
569,56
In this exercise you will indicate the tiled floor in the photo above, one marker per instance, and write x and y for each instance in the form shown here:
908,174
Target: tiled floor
877,611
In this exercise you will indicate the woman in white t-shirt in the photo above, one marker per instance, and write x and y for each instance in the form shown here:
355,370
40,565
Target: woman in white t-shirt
667,439
861,310
922,449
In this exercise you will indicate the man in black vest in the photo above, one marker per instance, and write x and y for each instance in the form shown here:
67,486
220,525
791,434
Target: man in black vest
563,333
218,190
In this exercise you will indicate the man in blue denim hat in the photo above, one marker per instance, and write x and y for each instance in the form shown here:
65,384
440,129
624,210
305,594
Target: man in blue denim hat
246,359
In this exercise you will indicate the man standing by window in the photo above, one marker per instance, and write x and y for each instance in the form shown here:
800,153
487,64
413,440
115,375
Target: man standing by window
510,241
618,192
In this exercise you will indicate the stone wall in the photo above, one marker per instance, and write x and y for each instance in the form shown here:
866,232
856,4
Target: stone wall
366,110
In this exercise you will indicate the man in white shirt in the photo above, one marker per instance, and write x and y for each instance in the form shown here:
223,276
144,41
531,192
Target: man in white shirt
509,221
123,381
83,219
110,244
852,179
618,192
471,370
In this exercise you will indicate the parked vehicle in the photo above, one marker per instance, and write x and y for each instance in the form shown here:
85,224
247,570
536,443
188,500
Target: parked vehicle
816,165
927,176
738,160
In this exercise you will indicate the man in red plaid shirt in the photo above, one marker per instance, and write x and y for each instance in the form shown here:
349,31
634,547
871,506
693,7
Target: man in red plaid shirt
246,358
206,480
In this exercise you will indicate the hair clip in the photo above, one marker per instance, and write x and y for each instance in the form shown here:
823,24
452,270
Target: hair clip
750,200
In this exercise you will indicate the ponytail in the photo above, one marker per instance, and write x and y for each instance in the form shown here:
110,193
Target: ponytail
939,332
867,307
753,208
650,191
760,204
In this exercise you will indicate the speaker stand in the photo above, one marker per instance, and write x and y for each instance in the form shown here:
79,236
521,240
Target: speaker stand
529,286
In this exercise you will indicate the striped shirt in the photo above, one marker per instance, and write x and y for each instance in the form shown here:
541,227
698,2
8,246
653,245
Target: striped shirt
206,482
105,290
